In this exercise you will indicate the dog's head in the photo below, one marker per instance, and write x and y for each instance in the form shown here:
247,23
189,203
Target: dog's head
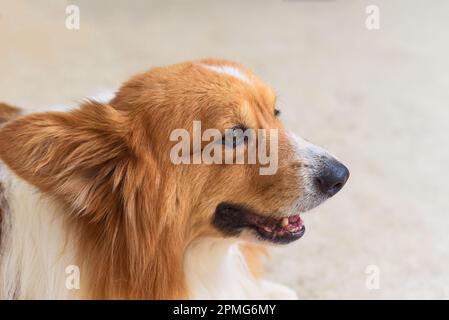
259,199
137,203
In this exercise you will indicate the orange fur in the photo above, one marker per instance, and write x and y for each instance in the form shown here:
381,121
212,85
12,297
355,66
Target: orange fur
8,112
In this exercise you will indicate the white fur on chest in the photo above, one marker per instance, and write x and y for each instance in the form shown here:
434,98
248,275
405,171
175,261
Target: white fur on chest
35,247
217,269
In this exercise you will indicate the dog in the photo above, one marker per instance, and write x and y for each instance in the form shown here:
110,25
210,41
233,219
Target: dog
92,207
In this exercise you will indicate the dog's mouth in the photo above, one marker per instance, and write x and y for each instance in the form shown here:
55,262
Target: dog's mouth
232,219
280,230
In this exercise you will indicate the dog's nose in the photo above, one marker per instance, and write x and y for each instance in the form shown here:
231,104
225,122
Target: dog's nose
332,178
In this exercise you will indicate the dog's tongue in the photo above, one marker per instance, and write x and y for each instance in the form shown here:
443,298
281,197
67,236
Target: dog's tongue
293,219
292,223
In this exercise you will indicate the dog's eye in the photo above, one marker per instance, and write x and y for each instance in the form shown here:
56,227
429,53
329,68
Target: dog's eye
277,112
234,137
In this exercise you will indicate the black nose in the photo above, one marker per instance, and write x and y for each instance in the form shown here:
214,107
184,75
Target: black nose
332,177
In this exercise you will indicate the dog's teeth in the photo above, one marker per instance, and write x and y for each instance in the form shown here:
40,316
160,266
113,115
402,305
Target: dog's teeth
284,222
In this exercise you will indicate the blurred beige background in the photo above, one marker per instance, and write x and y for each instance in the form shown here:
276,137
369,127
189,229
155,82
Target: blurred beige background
378,99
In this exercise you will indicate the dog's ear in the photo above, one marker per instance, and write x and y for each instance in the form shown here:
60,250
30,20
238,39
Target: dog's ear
8,112
101,169
75,156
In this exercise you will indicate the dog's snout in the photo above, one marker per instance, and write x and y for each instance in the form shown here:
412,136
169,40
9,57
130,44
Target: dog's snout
332,177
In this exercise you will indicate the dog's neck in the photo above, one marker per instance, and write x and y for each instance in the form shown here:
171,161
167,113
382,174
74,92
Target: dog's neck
37,247
38,252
